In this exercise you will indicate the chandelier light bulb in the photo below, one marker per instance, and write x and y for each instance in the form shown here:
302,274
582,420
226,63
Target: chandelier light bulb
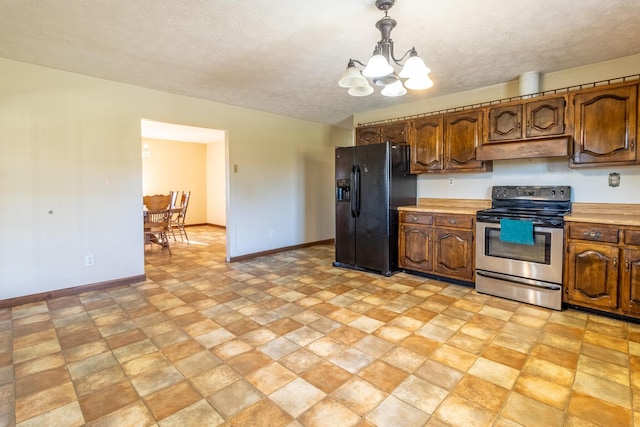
360,90
419,83
395,89
352,77
414,68
377,66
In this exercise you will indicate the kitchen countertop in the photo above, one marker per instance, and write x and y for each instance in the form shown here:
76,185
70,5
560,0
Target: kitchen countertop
451,206
605,213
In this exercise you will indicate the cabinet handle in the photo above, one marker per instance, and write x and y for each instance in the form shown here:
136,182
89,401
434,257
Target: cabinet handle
592,234
615,262
528,124
633,143
519,124
626,265
416,219
453,221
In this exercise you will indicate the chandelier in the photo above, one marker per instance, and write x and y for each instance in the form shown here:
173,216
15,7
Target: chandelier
379,68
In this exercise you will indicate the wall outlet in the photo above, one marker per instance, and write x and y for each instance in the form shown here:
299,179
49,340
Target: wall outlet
614,179
450,181
271,233
88,260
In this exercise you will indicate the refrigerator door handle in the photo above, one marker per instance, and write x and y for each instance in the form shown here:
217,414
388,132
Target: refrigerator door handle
355,198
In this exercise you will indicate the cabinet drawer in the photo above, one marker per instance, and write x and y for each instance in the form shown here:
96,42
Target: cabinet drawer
593,232
632,237
456,221
416,218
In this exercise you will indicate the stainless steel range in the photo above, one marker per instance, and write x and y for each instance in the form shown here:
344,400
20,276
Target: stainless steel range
519,244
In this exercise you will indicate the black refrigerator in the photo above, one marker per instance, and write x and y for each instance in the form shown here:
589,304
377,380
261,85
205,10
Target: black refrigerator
371,182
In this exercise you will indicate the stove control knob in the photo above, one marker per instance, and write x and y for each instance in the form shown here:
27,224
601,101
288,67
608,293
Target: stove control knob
553,192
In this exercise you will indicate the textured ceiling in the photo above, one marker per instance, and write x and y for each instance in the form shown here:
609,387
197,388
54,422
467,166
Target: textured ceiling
286,57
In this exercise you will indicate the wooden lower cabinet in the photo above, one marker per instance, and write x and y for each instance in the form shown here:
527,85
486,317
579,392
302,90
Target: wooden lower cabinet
602,267
630,283
454,253
592,275
438,244
416,250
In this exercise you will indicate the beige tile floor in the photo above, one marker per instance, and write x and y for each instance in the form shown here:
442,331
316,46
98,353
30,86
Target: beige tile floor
288,340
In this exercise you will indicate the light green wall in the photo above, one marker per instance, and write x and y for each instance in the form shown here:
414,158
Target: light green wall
589,185
71,176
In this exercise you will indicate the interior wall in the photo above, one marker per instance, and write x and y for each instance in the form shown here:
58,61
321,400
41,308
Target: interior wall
589,184
177,166
70,163
216,184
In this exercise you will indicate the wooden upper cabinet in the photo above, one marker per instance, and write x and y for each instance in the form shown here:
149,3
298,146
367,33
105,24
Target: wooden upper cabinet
368,135
395,132
605,126
462,134
527,119
505,123
545,117
426,139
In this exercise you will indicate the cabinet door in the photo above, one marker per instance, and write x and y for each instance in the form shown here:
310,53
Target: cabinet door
396,132
368,135
463,132
592,278
415,250
505,123
545,117
426,137
454,253
605,126
630,281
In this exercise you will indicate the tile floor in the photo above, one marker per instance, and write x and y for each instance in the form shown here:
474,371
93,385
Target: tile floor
288,340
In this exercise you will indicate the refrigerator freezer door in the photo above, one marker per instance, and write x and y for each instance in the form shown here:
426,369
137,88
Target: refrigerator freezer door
345,221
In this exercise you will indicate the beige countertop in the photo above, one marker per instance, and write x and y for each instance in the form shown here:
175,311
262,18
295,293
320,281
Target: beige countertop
452,206
605,213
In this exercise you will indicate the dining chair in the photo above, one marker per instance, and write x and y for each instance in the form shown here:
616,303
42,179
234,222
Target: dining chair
174,198
177,222
157,219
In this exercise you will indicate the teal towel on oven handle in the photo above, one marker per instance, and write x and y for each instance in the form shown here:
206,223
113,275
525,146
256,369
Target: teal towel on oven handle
516,231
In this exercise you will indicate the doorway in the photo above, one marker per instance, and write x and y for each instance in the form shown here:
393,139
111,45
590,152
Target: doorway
177,157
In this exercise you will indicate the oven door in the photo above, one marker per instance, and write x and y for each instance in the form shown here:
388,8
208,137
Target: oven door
541,261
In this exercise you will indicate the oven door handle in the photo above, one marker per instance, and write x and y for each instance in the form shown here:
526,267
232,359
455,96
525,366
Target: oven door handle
521,280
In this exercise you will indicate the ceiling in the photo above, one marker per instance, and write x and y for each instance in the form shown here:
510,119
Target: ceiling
285,57
181,133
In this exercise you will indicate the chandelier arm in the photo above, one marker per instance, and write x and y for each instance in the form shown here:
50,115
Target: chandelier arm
399,61
357,62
